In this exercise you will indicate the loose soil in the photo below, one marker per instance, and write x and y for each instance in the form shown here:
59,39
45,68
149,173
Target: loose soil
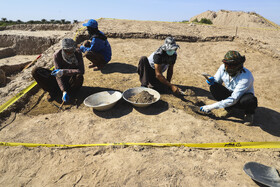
142,97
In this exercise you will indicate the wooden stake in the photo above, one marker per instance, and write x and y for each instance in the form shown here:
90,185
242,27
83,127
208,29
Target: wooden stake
28,65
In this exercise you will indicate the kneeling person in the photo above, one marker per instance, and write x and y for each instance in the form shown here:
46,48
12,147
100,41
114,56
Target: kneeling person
238,91
67,78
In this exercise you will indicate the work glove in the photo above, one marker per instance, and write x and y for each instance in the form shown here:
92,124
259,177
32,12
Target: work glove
65,96
57,72
210,81
82,48
208,108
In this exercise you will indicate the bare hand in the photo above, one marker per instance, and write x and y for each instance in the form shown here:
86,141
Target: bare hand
175,89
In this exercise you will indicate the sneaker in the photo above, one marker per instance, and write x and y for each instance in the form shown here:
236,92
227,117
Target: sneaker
248,119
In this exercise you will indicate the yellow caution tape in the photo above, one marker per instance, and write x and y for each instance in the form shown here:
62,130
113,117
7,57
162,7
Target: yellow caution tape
17,96
80,29
227,145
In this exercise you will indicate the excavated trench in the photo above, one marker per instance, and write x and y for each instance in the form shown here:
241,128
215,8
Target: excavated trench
24,45
11,45
181,38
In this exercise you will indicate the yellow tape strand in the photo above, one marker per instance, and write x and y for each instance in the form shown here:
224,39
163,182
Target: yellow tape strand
17,96
226,145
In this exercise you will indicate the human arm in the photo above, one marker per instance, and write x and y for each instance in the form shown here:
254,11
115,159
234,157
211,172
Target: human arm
96,45
165,81
170,72
244,83
218,74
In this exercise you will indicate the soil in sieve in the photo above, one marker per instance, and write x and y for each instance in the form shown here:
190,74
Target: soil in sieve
142,97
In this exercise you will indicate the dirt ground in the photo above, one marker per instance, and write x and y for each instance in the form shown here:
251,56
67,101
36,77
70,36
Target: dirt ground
170,120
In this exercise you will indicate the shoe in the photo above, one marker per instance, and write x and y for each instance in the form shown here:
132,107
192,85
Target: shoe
248,119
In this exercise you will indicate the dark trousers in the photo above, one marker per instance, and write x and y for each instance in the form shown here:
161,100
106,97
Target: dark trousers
147,75
96,59
48,82
248,102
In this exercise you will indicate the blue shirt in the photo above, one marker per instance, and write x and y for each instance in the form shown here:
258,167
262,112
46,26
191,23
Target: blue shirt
99,46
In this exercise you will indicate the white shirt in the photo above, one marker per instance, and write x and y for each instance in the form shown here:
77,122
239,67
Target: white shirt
239,85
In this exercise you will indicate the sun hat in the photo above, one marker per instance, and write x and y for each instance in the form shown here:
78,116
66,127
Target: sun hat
169,44
233,57
68,43
91,23
233,62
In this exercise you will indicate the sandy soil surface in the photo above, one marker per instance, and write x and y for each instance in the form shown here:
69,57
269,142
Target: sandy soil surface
34,33
170,120
18,59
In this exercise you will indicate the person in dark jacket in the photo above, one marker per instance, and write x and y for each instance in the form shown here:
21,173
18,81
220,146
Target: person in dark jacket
151,69
97,49
67,78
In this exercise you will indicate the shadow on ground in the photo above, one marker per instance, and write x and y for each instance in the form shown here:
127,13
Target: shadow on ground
268,120
113,67
121,108
154,109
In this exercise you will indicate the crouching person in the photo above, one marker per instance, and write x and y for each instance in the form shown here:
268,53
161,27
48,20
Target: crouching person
67,78
97,49
150,70
238,91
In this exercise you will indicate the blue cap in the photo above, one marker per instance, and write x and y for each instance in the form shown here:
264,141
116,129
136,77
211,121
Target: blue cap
91,23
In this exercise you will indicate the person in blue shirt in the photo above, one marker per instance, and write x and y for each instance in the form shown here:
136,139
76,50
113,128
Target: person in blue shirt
238,91
97,49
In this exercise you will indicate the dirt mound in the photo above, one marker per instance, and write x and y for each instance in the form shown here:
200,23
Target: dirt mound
142,97
235,18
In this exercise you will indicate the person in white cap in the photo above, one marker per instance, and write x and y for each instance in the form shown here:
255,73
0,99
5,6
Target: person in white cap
67,78
151,69
97,49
